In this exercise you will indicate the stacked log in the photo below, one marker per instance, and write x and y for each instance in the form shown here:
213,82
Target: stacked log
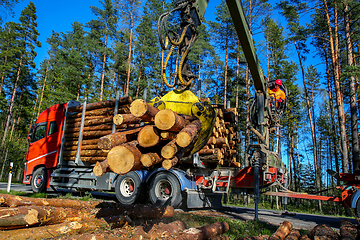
164,137
31,218
221,149
98,122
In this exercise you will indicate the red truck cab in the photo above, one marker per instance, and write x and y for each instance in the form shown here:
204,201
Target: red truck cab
44,138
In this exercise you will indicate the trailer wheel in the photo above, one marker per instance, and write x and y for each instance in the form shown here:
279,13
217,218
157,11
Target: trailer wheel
357,208
165,190
39,180
128,188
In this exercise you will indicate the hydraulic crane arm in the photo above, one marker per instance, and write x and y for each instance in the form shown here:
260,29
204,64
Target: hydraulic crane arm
192,14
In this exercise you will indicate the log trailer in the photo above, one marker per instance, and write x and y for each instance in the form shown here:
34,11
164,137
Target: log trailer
193,185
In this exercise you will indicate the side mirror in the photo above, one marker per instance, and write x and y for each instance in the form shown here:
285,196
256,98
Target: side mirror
29,137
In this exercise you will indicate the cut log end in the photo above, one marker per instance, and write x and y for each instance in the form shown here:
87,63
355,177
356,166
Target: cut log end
148,136
121,160
183,139
138,107
150,159
165,119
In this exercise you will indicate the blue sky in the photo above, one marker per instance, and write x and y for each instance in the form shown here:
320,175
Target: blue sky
59,15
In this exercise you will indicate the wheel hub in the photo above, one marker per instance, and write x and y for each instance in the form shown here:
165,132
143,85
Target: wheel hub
127,187
39,180
163,189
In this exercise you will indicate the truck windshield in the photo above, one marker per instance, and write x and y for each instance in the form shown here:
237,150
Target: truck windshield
40,131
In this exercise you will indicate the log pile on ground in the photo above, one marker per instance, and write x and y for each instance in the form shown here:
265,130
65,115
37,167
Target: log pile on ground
30,218
347,231
163,138
98,122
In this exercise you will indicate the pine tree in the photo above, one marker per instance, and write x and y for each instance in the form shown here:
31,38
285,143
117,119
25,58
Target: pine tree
105,24
27,41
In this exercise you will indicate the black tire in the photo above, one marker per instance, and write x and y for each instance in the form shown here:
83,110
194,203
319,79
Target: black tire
165,189
39,180
357,207
128,188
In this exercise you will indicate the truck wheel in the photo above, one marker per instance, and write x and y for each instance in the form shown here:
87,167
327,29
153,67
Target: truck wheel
39,180
357,207
128,188
165,190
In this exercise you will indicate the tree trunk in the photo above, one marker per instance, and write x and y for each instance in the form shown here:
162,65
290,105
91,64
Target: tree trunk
90,122
139,108
150,159
68,228
353,108
102,104
84,142
347,230
43,88
103,69
206,232
100,168
284,230
89,134
339,97
86,153
332,117
9,114
312,124
15,201
130,49
125,158
187,135
101,127
125,118
170,149
169,163
90,159
148,136
169,120
109,141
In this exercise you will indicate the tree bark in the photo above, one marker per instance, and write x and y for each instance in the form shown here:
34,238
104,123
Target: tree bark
84,142
107,111
68,228
294,235
139,108
150,159
284,230
102,104
353,108
9,114
347,230
125,118
202,233
85,159
83,147
187,135
339,97
90,128
169,163
90,122
117,138
170,149
12,201
89,134
124,158
100,168
148,136
169,120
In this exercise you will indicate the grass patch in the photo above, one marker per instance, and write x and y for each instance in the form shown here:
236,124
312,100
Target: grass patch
237,228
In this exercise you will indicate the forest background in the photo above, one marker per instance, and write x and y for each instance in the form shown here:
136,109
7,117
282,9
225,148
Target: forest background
112,45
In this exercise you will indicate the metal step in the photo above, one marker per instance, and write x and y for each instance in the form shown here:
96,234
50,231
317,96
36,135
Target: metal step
221,173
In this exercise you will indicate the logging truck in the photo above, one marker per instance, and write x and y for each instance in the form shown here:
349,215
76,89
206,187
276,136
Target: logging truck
175,150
